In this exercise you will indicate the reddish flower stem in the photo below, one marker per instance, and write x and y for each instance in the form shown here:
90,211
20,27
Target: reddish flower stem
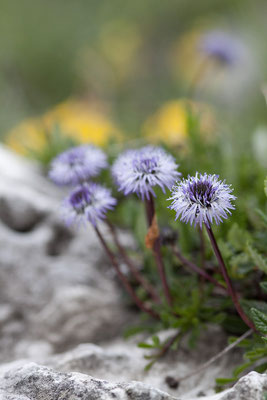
134,270
195,268
227,279
123,279
150,212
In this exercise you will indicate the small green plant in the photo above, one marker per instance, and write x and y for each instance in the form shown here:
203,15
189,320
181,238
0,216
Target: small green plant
180,284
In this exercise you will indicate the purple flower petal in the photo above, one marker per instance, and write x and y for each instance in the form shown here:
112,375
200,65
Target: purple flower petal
222,46
138,171
88,202
77,165
202,199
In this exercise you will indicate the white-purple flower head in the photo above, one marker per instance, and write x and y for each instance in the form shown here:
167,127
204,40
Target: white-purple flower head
222,46
77,165
88,202
202,199
139,171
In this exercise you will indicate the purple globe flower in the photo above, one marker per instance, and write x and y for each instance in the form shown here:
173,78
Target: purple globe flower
202,199
221,46
138,171
88,202
77,165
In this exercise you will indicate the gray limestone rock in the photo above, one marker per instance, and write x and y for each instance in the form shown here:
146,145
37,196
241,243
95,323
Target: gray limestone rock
52,279
24,380
253,386
35,382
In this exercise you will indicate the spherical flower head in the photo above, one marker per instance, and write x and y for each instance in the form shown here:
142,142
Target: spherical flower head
202,199
221,46
77,165
88,202
138,171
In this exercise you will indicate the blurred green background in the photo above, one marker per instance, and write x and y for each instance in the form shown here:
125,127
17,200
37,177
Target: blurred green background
121,54
117,72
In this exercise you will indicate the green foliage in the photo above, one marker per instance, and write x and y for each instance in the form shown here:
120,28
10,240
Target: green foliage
238,237
263,217
195,305
255,356
257,258
243,245
260,320
264,286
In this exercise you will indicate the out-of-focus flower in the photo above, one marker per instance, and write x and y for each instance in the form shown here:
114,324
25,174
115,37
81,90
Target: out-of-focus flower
76,121
169,124
27,137
201,199
221,46
77,165
139,171
217,61
88,203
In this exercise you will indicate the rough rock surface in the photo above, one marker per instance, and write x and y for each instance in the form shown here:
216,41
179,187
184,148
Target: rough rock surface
52,279
123,360
35,382
251,387
30,381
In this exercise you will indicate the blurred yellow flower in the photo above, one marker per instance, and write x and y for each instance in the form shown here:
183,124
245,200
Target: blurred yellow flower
184,56
169,124
76,121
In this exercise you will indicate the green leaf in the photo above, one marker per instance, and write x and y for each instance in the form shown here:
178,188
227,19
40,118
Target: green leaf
264,286
149,365
240,265
256,354
133,331
156,341
249,304
261,368
224,381
257,258
237,371
244,344
143,345
260,320
262,215
238,237
225,248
